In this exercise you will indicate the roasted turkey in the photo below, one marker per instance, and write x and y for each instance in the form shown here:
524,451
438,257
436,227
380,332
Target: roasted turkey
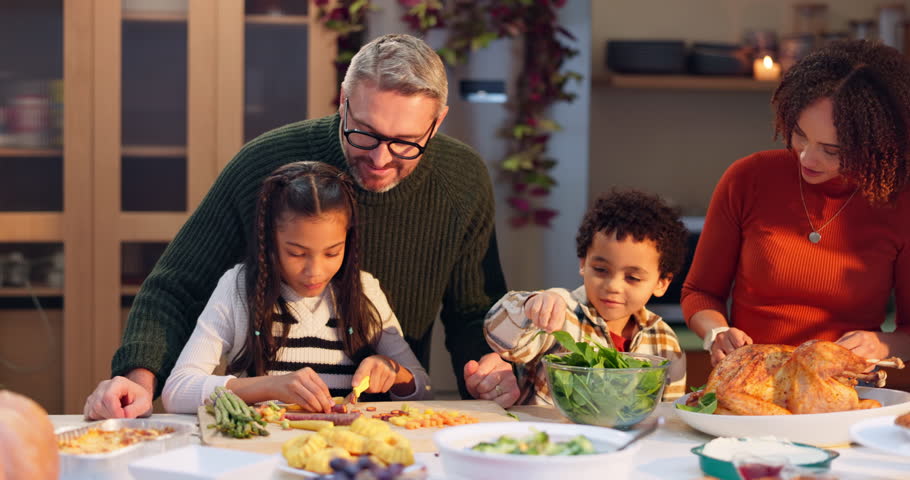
816,377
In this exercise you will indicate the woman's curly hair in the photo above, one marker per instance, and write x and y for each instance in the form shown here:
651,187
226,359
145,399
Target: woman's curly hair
641,216
869,85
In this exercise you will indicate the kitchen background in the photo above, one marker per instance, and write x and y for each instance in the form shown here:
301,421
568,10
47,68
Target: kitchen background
161,93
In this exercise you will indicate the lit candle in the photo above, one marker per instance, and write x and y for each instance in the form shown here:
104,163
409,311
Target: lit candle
766,70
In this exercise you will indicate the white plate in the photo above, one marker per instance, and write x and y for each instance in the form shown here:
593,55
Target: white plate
819,429
459,461
284,467
881,434
195,462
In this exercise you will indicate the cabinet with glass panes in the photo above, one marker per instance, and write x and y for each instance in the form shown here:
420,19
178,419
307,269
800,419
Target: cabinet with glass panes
159,95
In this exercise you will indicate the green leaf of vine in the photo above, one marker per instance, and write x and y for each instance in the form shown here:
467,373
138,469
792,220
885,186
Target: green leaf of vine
357,6
448,56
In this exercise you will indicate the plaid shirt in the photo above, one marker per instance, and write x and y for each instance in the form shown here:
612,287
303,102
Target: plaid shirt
514,337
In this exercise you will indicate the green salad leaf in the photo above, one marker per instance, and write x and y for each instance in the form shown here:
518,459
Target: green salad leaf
537,443
706,404
594,396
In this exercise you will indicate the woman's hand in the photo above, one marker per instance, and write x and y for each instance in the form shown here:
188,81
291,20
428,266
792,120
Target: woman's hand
303,387
864,343
547,310
382,370
726,342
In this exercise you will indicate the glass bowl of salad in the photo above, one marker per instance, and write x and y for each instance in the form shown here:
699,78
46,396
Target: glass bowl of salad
604,387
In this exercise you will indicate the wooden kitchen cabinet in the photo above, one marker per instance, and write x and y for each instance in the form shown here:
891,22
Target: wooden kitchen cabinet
159,96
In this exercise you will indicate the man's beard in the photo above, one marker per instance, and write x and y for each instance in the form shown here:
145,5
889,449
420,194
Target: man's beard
355,167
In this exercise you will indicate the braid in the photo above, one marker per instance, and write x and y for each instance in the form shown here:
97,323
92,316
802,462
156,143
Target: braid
259,346
259,318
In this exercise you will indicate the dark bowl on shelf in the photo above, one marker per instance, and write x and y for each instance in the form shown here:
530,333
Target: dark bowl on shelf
646,56
719,59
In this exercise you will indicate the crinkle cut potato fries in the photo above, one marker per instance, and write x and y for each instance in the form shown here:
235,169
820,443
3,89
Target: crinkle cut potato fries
368,437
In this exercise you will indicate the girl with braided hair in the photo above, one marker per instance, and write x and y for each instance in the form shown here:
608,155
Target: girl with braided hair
809,242
298,321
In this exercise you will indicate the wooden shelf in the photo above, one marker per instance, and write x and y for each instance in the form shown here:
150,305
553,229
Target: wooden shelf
9,292
683,82
30,152
151,226
277,20
153,151
31,227
129,290
159,17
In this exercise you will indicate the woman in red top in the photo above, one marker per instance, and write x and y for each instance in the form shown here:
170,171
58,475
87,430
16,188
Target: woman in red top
809,242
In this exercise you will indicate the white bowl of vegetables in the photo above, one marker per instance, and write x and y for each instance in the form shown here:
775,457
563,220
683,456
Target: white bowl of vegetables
597,385
533,450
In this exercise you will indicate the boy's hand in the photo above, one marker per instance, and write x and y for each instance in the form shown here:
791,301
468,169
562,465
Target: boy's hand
547,310
382,371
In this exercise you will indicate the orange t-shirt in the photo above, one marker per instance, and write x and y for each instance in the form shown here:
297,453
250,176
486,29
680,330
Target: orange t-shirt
786,289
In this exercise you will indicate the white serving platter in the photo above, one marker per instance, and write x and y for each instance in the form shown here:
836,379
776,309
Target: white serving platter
819,429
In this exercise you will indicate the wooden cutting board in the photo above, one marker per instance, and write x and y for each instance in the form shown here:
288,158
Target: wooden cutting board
421,439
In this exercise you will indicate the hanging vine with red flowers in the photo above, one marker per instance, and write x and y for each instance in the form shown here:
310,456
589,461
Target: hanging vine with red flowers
472,25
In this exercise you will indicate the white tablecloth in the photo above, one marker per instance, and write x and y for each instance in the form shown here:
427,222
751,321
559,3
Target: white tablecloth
665,455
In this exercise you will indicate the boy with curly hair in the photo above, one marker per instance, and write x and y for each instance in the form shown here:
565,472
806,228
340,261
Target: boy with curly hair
630,245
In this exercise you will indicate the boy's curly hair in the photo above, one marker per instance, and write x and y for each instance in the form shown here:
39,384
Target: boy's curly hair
644,217
869,85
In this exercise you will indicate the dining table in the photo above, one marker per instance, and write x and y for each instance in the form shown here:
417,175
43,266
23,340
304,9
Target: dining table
664,455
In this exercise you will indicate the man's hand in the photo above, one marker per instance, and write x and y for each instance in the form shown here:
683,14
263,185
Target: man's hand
726,342
547,310
122,397
492,379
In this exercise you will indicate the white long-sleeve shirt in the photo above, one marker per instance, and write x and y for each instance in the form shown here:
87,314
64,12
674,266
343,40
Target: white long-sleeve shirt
313,341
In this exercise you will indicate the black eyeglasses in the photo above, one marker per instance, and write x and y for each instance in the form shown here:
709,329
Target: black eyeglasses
399,148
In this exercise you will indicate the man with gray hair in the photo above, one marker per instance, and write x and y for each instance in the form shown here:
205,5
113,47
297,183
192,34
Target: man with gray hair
426,206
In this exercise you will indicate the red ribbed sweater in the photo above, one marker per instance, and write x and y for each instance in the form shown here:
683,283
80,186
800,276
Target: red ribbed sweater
786,289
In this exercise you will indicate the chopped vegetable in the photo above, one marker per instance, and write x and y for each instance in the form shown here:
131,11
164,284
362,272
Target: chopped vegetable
314,425
361,387
538,443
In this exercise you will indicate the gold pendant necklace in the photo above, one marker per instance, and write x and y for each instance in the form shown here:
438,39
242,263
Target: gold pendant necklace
815,235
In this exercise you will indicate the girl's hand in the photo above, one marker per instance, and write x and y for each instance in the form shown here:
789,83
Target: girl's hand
547,310
305,388
864,343
382,370
726,342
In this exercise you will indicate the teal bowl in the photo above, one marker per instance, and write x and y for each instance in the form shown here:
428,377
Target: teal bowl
724,469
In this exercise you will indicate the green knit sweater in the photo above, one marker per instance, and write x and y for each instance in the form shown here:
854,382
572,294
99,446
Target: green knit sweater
430,241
